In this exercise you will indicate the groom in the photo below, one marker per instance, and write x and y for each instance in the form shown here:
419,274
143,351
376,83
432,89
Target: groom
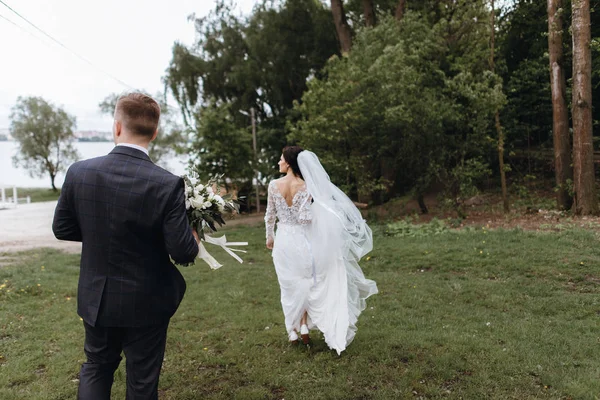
130,215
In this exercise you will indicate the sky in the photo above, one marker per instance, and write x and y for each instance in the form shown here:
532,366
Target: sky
129,39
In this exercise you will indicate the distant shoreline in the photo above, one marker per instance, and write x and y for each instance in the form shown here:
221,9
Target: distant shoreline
12,175
81,140
93,140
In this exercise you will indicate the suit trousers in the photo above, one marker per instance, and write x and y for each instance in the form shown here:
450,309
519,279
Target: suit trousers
144,350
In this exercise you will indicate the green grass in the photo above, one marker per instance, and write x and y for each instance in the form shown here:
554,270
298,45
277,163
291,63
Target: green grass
460,315
37,194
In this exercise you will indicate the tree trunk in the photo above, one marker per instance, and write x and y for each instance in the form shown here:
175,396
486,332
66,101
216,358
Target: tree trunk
560,113
52,177
422,205
583,150
499,130
401,9
341,25
369,12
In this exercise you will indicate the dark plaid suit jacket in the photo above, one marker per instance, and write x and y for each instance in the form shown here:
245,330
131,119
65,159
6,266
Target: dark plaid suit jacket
130,216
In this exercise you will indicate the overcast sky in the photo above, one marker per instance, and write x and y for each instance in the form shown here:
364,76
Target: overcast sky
130,39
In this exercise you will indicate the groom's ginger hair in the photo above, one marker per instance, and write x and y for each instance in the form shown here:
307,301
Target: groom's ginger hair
139,113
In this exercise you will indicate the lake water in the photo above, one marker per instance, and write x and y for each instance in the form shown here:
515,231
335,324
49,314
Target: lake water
11,176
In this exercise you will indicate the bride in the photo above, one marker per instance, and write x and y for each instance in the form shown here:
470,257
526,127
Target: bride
320,238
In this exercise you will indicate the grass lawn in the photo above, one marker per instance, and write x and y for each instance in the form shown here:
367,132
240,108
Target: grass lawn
460,315
37,194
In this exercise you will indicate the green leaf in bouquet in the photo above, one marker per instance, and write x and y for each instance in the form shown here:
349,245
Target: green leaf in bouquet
197,214
210,222
219,219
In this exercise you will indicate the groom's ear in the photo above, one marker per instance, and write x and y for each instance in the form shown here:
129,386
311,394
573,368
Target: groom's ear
118,128
155,135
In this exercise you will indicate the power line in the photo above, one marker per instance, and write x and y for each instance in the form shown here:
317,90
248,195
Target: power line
62,45
9,21
23,29
66,48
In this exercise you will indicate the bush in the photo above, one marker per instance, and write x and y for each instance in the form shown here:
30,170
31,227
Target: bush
408,228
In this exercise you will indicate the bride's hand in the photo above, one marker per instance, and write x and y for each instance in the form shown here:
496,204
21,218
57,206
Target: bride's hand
270,243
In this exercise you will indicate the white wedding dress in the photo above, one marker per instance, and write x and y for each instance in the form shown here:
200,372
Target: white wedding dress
319,239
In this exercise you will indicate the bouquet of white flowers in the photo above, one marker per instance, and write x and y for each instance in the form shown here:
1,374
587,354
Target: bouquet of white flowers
205,208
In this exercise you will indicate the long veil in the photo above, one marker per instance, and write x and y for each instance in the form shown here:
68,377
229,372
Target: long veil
339,238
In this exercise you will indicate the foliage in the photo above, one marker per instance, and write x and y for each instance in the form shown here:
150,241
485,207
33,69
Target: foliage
405,106
407,110
409,228
171,137
523,58
45,136
261,61
473,315
219,147
463,181
529,109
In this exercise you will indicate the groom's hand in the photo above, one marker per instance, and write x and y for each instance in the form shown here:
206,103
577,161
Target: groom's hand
195,235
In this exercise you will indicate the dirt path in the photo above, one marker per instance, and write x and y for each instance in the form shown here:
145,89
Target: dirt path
29,226
486,210
246,219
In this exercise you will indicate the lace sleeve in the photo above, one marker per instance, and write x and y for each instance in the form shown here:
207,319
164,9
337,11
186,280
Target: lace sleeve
271,214
305,214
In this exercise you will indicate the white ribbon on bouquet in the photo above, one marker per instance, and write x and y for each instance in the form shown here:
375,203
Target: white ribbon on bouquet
222,242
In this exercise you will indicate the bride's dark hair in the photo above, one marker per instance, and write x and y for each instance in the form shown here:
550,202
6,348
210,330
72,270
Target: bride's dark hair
290,155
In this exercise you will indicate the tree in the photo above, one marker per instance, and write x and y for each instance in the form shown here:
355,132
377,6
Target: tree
499,130
560,113
523,60
263,62
341,25
219,147
45,136
401,9
171,138
585,202
369,12
395,116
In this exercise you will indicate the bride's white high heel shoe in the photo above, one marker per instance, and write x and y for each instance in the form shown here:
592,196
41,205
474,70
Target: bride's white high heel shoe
293,337
304,334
